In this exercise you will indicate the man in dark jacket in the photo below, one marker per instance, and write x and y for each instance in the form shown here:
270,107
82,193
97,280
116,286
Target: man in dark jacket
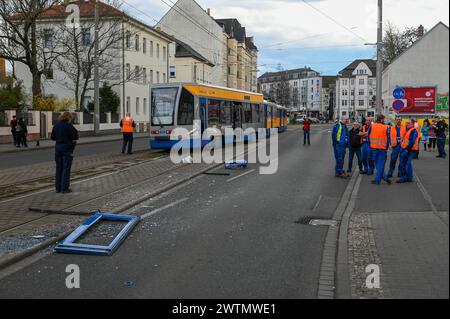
441,133
13,124
65,135
355,147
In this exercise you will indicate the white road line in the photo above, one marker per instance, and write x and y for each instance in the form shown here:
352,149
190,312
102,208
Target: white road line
317,203
164,208
239,176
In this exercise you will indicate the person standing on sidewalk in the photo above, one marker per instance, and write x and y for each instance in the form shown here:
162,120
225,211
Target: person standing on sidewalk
307,131
441,133
397,133
13,124
425,130
340,141
410,146
127,126
432,137
22,132
367,159
355,145
65,135
379,135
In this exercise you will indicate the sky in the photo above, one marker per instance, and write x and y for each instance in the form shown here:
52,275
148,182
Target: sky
325,35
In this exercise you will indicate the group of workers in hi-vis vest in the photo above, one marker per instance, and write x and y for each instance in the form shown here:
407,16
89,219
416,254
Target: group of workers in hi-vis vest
374,140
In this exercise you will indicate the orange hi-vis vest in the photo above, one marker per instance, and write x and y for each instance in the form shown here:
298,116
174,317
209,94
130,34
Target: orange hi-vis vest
127,125
379,136
397,140
405,141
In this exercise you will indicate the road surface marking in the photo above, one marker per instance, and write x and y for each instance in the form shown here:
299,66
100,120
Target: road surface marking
239,176
163,208
317,204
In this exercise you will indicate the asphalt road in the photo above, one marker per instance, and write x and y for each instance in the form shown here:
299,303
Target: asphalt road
17,159
216,237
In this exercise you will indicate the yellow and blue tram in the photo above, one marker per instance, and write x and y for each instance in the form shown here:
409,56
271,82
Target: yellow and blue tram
177,105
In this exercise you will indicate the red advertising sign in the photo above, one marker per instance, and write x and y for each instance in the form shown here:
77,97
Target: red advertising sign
416,100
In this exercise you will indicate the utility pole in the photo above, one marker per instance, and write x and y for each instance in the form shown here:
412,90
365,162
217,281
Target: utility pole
96,76
379,105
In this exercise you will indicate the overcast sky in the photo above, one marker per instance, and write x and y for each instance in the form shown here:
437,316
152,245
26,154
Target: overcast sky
294,34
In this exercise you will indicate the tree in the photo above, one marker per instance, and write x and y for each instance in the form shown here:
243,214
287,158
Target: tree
77,63
396,42
109,100
12,97
22,41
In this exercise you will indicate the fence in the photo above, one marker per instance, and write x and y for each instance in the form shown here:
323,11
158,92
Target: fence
88,118
27,117
115,118
103,118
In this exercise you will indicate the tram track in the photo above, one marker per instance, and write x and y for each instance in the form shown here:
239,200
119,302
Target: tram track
30,186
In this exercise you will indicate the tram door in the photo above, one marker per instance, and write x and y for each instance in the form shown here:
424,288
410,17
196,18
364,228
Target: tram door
237,115
203,113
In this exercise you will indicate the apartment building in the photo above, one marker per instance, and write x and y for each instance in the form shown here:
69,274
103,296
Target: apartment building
356,90
138,59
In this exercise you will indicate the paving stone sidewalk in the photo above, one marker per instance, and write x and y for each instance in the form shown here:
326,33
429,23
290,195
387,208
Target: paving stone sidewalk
403,229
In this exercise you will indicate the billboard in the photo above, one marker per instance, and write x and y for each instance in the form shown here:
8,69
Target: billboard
415,100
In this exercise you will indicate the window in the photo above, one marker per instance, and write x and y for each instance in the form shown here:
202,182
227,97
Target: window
164,78
136,42
151,48
144,75
163,106
172,71
213,113
128,104
144,106
186,108
361,82
362,92
225,112
48,72
151,76
86,69
157,77
136,73
352,82
164,53
157,50
361,102
48,38
144,45
86,37
128,71
138,106
128,40
248,114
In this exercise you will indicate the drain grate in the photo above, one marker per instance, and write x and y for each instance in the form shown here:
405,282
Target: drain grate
316,221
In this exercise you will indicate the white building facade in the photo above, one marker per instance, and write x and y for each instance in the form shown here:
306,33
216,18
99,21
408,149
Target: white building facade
425,64
356,90
139,59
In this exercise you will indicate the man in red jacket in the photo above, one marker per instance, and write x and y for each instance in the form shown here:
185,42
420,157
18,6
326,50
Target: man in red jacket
307,131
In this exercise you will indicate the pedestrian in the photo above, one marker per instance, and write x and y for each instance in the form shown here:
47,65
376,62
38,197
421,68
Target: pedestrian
397,132
425,130
367,159
441,133
307,131
355,147
410,146
22,132
12,125
127,125
379,136
432,137
65,135
340,141
419,130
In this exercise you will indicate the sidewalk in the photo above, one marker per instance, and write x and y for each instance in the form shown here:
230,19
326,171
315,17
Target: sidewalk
44,144
403,229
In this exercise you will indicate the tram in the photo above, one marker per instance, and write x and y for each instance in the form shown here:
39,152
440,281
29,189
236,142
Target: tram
177,105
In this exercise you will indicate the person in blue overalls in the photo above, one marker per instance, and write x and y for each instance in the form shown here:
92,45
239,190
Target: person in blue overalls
368,164
340,139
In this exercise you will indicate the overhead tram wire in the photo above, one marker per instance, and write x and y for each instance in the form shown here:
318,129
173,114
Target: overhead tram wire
157,21
334,20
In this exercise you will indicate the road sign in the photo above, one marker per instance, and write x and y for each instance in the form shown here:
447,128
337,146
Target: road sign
399,93
399,105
